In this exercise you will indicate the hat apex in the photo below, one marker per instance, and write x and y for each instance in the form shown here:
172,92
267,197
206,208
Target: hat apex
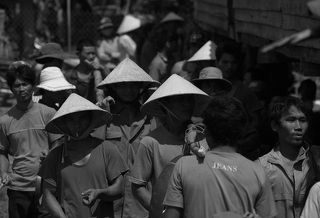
206,52
171,16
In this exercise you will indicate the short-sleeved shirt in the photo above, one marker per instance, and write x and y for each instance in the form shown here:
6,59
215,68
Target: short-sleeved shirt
105,164
312,205
155,151
222,182
127,47
23,136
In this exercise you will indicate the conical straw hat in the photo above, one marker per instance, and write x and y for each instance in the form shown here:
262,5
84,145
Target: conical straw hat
175,85
206,52
127,71
171,17
75,103
314,7
128,24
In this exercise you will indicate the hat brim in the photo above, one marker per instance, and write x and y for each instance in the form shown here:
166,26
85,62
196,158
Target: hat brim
155,108
56,85
61,56
146,84
227,86
105,26
98,118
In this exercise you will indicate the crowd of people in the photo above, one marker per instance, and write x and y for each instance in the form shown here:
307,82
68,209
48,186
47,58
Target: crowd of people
159,125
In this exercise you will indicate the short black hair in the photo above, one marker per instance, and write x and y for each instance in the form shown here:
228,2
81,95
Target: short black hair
225,118
281,105
84,43
231,48
22,71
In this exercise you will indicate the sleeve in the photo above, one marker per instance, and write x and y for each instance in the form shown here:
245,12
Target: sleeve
102,53
128,44
265,204
4,142
174,195
48,114
142,169
312,205
114,162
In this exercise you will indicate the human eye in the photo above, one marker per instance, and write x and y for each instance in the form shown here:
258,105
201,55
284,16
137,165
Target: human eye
290,119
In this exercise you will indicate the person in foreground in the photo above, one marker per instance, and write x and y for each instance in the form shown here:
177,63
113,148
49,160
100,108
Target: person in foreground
84,175
291,164
230,184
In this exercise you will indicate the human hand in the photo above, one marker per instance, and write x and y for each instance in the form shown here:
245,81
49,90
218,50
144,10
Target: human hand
4,180
192,138
89,196
105,103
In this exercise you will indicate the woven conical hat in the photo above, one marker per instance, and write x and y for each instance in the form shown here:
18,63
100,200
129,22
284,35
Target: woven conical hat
75,103
206,52
128,24
171,17
127,71
175,85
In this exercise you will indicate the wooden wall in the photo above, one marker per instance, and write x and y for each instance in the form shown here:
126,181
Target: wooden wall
257,22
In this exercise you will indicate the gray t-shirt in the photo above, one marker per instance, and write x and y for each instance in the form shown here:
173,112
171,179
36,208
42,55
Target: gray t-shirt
222,182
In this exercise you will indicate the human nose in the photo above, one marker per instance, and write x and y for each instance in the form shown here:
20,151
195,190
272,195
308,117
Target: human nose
298,125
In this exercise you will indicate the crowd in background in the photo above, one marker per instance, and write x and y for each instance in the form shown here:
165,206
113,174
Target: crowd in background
158,120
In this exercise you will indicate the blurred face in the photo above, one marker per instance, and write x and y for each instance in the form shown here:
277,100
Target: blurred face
22,90
77,124
88,54
292,127
212,88
56,97
107,32
181,107
228,65
127,92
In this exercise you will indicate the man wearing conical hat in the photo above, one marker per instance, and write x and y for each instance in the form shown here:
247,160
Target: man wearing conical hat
173,103
82,177
127,84
25,141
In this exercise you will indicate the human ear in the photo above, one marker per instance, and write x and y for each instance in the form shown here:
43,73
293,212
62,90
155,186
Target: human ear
274,126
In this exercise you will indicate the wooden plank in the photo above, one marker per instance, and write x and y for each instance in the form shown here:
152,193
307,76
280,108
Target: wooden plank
212,20
303,54
298,23
216,2
214,9
271,33
295,7
268,5
272,18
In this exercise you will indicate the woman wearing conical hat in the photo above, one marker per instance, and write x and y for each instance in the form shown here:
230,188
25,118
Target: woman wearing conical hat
82,177
127,84
173,103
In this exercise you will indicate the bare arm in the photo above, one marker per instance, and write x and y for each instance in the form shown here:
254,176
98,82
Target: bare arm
111,193
4,166
97,80
52,204
173,212
142,194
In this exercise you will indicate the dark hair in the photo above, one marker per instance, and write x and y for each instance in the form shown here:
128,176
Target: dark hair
308,90
84,43
231,48
281,104
225,119
22,71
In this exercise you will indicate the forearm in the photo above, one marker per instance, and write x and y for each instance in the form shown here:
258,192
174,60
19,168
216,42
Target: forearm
143,195
97,81
53,205
113,192
4,164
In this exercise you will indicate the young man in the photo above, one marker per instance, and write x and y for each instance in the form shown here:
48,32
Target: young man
23,137
290,164
173,104
84,175
88,74
229,58
224,182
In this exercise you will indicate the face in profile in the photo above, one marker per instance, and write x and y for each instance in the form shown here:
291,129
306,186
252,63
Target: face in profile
180,107
292,127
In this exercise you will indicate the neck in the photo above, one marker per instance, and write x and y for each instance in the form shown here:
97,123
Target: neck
84,68
225,148
24,105
289,151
